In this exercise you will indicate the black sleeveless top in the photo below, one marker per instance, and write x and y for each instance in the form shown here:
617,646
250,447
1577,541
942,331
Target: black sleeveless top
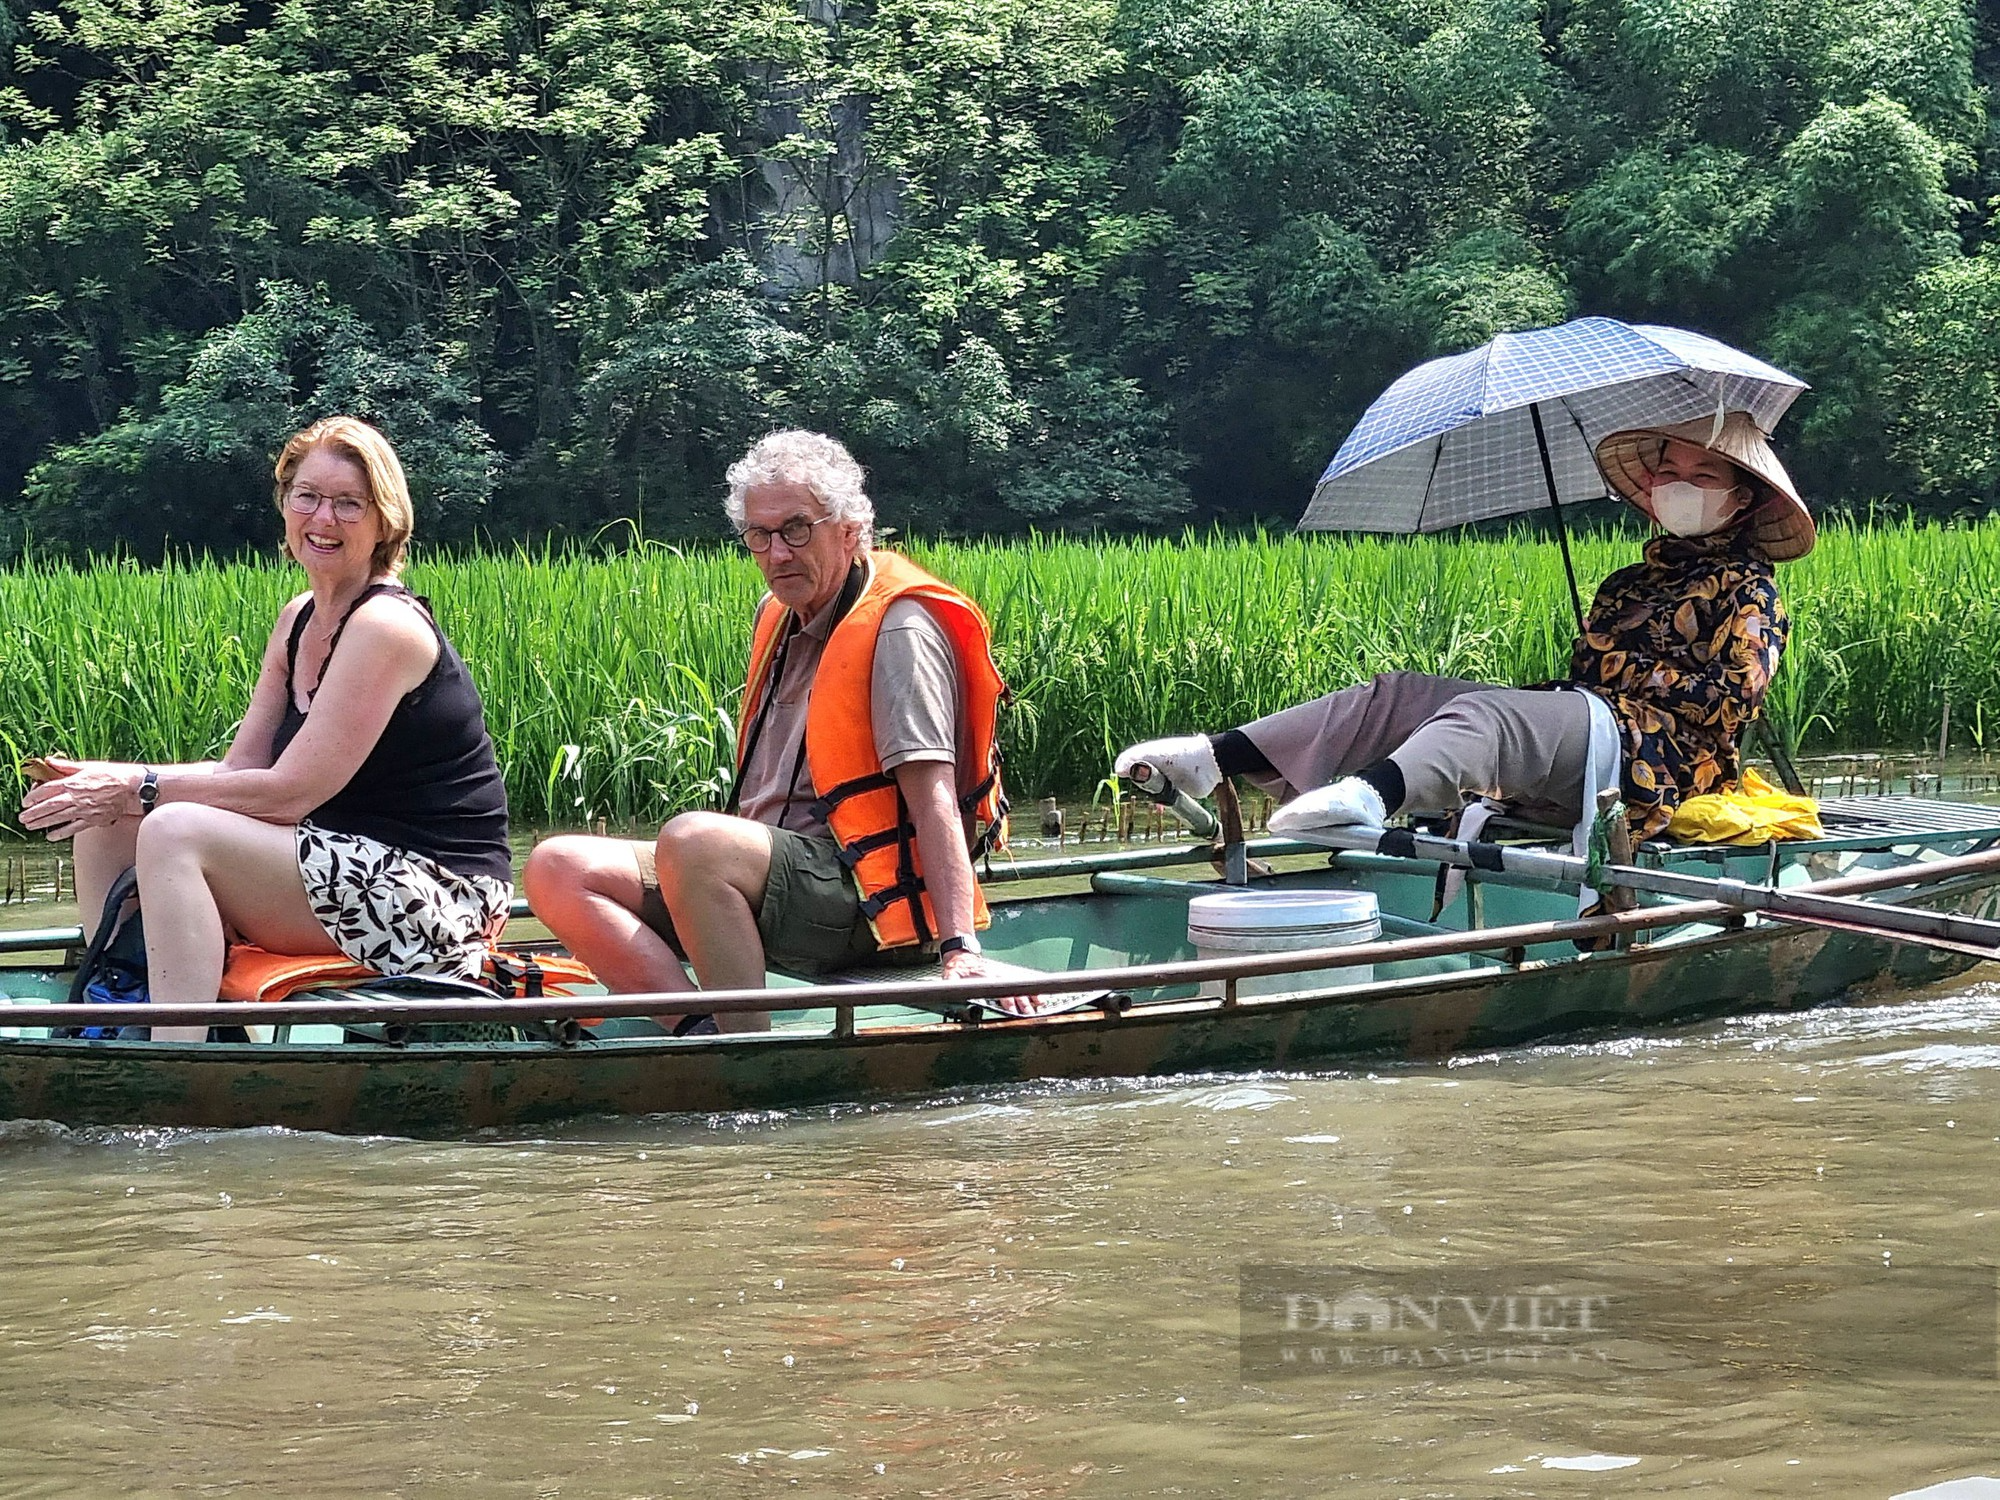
431,785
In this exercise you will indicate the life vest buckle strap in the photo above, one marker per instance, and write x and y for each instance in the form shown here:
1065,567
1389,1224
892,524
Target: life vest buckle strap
517,975
875,782
852,854
988,837
972,798
907,889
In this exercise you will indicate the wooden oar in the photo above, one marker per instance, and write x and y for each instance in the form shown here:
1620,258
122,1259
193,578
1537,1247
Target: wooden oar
931,992
1932,929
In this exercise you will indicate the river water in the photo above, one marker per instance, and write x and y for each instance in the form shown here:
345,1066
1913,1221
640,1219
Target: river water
1761,1251
1036,1291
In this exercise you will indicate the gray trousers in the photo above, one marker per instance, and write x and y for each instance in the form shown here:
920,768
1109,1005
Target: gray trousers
1452,739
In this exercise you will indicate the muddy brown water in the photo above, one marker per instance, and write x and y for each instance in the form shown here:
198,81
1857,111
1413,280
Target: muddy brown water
1037,1290
1781,1231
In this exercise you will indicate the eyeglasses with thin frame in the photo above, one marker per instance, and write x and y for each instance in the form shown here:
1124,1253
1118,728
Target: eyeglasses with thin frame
346,508
796,533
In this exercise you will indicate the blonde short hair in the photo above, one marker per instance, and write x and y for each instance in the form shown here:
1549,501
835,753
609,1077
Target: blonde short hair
820,463
363,445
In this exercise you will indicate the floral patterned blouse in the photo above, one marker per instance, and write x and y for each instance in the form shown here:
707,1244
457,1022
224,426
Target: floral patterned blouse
1682,647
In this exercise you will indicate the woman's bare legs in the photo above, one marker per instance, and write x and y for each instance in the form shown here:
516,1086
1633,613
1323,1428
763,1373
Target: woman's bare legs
101,856
203,873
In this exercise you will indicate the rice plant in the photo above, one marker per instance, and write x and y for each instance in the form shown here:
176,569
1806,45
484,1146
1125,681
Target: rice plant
612,681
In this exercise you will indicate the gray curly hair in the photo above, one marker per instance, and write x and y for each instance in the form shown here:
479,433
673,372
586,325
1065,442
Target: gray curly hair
820,463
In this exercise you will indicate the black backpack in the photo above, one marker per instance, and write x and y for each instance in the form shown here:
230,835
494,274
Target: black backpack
112,970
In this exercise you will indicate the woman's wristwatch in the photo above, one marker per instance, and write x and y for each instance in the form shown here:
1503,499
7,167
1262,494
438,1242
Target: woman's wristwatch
149,791
962,942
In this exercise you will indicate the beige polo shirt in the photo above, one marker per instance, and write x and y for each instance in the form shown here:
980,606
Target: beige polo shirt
913,707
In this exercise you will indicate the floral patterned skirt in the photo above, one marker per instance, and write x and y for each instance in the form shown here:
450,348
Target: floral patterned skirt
396,911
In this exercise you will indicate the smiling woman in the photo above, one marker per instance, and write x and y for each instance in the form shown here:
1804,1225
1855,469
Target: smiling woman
358,810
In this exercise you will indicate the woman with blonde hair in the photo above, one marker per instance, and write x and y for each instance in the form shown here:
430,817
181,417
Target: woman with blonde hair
359,809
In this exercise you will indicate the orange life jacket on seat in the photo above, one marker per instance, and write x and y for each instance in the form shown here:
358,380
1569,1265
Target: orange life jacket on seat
252,973
858,799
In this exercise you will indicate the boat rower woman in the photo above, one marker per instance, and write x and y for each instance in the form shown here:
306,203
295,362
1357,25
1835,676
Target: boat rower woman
359,809
1674,661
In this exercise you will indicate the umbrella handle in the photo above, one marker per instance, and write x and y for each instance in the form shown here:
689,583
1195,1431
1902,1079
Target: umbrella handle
1556,510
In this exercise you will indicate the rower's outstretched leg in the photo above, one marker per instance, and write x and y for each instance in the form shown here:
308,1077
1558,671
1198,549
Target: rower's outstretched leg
1315,744
1511,744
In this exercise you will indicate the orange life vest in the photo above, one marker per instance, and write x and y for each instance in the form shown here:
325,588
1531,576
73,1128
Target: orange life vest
860,801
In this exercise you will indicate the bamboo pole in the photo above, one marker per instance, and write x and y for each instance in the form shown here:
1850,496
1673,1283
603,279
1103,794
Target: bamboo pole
1815,906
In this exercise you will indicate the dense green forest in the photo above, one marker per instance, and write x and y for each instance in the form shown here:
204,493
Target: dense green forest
1050,263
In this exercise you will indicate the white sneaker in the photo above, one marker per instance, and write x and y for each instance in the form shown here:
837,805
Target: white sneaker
1187,760
1349,802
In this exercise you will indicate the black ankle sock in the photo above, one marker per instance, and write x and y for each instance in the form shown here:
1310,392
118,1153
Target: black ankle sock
1387,779
1237,754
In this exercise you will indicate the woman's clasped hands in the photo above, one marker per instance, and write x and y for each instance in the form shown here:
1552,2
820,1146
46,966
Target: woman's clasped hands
72,795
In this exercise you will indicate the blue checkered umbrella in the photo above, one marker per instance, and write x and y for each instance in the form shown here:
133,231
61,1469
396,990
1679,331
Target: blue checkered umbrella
1454,440
1512,426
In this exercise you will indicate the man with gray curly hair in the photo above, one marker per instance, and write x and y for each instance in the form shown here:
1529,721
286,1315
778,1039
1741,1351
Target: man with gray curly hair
820,463
867,769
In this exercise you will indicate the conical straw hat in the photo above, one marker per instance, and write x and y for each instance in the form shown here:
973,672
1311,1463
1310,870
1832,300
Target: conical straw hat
1779,522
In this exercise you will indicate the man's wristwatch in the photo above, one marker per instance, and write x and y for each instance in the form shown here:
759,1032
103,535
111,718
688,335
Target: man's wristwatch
149,791
963,942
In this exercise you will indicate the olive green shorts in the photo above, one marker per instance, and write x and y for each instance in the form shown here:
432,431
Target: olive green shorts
811,919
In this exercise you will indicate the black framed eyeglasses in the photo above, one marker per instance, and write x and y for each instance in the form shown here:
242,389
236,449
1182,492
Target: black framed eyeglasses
796,533
348,508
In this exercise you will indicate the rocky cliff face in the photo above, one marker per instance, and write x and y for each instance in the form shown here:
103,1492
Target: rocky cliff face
828,209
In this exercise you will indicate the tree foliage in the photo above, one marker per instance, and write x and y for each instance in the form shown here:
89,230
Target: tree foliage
1944,384
193,470
1068,263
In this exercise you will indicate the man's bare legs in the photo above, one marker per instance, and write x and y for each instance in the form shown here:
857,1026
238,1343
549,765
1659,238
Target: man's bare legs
587,892
712,870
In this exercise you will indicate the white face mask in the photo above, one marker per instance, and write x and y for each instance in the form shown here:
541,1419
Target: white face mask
1689,510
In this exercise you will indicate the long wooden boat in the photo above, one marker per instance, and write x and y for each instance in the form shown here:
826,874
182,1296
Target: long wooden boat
1500,966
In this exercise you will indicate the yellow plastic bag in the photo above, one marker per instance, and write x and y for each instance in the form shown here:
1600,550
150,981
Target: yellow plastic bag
1753,813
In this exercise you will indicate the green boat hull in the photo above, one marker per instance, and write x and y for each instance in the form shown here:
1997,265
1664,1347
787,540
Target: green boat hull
1420,1010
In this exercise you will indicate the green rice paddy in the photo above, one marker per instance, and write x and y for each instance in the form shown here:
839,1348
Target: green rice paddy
611,682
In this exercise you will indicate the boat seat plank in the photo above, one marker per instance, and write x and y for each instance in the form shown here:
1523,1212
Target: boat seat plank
903,973
1876,815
